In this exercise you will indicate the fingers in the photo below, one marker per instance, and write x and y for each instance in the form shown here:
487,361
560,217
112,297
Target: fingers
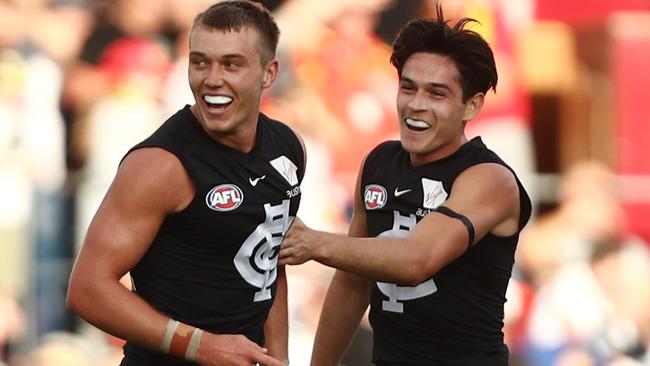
288,243
285,257
233,350
296,247
292,255
266,360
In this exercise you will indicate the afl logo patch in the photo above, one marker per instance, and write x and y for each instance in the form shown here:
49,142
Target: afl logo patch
225,197
375,196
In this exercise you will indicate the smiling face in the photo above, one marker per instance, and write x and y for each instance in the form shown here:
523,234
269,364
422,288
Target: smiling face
431,109
227,77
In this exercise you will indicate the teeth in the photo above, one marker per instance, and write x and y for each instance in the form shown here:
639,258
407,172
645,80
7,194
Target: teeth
219,99
416,123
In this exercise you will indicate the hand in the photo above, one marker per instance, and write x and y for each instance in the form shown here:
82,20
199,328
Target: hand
232,350
298,244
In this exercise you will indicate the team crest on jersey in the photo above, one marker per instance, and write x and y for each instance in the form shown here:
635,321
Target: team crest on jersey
224,197
287,169
257,258
434,193
375,196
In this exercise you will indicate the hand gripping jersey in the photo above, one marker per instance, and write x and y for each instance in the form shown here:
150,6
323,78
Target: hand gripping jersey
213,265
455,317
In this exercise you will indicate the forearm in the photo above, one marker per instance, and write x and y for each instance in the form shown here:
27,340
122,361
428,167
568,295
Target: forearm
344,306
276,328
386,259
110,306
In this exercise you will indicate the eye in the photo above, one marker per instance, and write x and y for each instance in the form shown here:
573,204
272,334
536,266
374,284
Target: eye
197,62
231,65
438,93
407,87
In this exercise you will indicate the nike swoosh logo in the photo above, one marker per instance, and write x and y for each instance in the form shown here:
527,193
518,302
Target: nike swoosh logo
399,193
254,181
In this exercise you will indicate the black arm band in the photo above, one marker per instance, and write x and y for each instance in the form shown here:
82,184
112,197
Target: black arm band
468,224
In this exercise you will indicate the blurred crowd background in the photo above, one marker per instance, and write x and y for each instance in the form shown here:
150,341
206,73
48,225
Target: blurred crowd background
83,80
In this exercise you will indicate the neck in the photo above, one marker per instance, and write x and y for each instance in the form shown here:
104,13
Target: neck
242,139
438,153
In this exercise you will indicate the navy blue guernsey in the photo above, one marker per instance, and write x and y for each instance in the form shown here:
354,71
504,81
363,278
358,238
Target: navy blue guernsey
454,318
214,264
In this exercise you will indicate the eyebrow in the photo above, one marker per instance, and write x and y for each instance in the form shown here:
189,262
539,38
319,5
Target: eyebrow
228,56
197,54
431,84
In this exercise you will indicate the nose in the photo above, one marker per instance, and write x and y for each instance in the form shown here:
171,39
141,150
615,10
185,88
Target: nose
418,101
214,78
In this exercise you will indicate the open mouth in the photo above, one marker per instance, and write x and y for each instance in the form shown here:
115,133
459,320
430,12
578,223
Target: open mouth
217,101
416,125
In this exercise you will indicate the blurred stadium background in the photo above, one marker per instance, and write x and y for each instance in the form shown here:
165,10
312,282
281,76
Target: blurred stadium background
83,80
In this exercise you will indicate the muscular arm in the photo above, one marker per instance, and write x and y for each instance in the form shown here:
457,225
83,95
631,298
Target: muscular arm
487,194
150,184
119,235
345,303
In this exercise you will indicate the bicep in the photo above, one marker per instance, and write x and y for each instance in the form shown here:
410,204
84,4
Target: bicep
487,195
132,211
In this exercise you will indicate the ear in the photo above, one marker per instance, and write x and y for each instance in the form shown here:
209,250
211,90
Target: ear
270,73
473,106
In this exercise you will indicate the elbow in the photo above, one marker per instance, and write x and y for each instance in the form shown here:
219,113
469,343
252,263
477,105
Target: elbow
417,272
72,301
78,297
415,279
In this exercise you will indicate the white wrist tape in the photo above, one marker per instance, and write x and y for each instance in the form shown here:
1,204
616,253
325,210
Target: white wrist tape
190,354
169,334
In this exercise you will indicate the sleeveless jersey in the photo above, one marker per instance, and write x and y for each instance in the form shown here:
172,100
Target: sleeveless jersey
213,265
456,316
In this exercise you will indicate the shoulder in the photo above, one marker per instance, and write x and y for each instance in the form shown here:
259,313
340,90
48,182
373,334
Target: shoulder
151,160
172,128
488,174
480,169
380,162
490,191
176,134
384,150
491,175
157,174
181,120
182,116
276,125
382,155
485,173
286,134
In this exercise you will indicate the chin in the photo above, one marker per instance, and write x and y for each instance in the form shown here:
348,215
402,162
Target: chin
410,148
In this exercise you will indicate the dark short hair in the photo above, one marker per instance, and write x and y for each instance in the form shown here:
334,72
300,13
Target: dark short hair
235,14
469,51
